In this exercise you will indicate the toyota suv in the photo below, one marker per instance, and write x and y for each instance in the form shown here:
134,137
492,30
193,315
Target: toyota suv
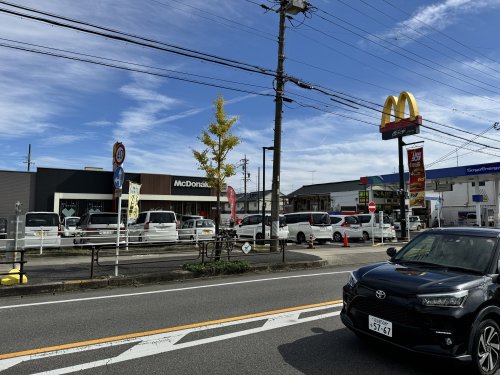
438,295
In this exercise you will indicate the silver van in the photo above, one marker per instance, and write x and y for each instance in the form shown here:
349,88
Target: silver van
100,228
42,229
154,226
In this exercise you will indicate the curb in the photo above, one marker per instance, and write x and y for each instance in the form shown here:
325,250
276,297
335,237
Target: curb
141,279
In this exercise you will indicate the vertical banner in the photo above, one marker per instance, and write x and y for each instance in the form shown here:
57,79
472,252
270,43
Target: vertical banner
231,198
417,177
133,200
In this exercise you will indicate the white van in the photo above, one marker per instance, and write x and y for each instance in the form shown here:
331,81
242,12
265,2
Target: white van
302,224
372,228
251,227
42,229
154,226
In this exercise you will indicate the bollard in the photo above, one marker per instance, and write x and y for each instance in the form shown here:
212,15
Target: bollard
310,243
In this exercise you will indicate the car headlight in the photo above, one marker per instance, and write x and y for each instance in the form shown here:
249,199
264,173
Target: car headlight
353,280
444,299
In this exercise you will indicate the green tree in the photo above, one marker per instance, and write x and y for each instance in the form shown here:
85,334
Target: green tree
218,140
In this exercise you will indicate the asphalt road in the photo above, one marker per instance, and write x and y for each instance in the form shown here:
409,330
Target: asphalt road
281,323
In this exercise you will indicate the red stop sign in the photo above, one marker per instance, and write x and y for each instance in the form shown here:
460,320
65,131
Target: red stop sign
372,206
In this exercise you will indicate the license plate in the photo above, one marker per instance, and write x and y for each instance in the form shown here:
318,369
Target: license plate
206,231
322,229
381,326
40,234
106,232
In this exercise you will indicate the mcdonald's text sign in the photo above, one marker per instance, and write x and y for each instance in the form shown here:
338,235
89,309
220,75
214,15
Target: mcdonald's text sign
402,125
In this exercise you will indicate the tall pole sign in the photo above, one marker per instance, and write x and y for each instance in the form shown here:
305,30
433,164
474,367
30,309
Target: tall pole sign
118,178
399,128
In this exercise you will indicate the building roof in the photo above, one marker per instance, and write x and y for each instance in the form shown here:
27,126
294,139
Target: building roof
252,196
327,188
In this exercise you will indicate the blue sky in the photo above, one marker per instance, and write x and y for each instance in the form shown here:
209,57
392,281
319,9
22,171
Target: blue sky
444,52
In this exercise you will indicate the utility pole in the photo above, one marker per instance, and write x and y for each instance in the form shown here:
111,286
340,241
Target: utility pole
28,160
292,7
246,177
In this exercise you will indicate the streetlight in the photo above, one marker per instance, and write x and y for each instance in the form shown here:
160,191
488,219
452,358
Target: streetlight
264,189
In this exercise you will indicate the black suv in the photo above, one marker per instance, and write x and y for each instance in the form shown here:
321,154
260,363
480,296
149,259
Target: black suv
440,295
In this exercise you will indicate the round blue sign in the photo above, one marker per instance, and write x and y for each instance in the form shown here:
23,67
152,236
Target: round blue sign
118,177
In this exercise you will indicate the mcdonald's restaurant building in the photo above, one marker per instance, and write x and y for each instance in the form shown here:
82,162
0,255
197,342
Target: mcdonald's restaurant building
74,192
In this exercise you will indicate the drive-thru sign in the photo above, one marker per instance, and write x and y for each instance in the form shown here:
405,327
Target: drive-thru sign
372,206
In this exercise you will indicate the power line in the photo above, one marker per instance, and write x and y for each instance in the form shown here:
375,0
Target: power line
133,63
233,24
131,69
400,66
407,51
141,41
447,36
423,35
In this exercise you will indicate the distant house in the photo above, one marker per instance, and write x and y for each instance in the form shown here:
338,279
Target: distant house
253,203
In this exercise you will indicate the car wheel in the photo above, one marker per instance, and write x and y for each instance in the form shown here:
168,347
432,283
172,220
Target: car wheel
366,236
191,238
139,239
337,237
259,237
419,227
486,347
300,238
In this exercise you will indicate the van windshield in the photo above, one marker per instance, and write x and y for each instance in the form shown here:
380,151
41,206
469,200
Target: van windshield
42,220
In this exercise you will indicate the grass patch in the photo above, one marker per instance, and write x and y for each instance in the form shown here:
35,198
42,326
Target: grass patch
218,267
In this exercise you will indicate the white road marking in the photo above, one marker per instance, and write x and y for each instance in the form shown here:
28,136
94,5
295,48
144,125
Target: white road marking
166,342
169,290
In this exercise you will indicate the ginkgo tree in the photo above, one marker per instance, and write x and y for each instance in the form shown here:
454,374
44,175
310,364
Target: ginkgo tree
219,141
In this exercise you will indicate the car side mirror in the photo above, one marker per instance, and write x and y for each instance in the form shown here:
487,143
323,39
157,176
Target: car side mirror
391,251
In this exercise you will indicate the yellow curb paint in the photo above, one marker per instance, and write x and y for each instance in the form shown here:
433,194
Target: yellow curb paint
159,331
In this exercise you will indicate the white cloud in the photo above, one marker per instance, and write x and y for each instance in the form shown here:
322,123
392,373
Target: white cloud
436,16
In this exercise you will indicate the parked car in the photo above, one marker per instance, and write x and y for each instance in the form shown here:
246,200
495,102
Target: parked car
3,227
251,227
346,225
42,229
371,228
197,229
182,218
153,226
301,225
414,223
69,226
440,295
100,228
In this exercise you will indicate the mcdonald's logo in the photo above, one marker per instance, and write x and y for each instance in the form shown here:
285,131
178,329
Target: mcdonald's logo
401,126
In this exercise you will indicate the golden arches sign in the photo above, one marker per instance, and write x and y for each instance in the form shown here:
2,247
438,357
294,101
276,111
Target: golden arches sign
401,126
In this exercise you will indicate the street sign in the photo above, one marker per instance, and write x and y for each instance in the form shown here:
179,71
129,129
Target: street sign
119,153
372,206
118,177
246,247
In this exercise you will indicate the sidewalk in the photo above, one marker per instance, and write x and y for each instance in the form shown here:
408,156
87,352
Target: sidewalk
54,274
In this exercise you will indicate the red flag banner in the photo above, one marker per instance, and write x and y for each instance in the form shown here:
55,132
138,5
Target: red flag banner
231,198
417,177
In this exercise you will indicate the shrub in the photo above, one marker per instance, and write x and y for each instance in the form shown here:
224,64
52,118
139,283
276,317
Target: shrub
217,267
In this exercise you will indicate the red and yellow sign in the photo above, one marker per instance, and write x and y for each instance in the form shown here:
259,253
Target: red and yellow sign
401,126
417,177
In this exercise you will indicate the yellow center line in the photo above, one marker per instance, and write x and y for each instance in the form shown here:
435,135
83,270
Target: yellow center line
159,331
